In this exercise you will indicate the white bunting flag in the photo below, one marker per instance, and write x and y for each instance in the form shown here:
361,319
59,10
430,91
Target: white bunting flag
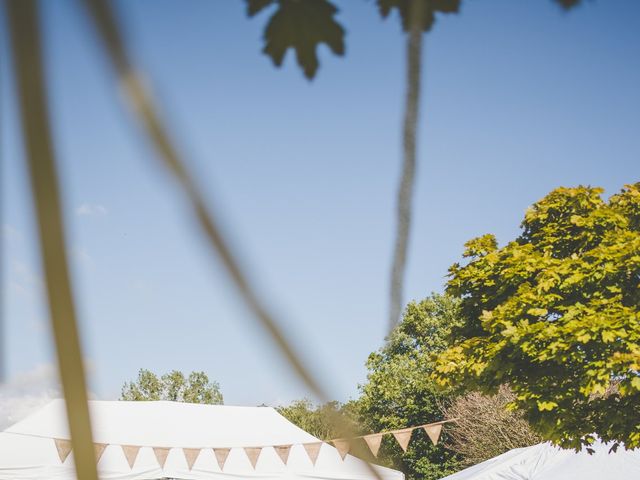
99,450
434,432
403,437
283,452
161,454
63,447
191,455
312,449
253,453
373,442
130,453
343,446
221,456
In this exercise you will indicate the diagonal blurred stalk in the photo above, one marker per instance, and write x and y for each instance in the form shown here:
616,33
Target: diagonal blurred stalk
143,106
407,180
32,97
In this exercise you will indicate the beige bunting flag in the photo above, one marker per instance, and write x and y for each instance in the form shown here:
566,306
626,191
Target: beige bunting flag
98,448
343,446
283,452
253,453
161,454
130,453
434,432
373,442
63,447
191,455
313,450
221,456
403,437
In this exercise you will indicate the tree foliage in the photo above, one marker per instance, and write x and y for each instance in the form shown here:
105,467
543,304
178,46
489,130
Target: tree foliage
556,314
301,25
324,421
173,386
485,428
399,391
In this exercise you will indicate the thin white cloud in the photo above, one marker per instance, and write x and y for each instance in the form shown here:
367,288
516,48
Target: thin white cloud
27,392
91,209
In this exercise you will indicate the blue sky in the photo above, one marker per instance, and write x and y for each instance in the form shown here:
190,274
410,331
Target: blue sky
519,98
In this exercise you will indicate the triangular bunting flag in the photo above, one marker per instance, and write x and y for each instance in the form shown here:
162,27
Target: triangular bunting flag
221,456
283,452
99,449
253,453
343,446
63,447
403,437
161,454
373,442
434,432
312,449
131,453
191,454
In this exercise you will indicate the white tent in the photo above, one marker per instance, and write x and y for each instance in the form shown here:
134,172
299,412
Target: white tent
202,433
546,462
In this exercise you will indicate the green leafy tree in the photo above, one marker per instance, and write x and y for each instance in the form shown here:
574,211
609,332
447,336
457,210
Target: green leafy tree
173,386
556,314
326,421
399,391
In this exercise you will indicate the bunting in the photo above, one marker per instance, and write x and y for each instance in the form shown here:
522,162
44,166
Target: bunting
312,449
130,453
99,450
161,454
283,452
191,455
63,447
373,442
221,456
403,437
433,431
253,453
342,445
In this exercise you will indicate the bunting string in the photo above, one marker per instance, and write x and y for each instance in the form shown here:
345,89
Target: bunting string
312,449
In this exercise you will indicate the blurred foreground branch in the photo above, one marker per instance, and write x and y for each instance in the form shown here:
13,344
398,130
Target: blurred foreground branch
32,100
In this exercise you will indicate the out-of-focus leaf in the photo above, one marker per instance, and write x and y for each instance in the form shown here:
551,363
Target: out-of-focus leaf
255,6
567,4
428,11
301,25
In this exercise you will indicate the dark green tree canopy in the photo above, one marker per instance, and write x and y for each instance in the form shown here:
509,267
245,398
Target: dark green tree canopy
173,386
399,391
556,314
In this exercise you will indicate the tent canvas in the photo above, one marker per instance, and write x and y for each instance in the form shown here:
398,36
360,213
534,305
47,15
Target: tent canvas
28,450
546,462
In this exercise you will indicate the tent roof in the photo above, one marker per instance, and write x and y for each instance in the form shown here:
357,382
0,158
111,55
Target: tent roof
28,450
546,462
170,424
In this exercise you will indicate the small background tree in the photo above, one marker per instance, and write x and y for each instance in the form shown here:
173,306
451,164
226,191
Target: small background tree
173,386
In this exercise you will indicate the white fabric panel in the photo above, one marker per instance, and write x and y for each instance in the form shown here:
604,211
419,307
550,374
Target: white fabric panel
546,462
27,451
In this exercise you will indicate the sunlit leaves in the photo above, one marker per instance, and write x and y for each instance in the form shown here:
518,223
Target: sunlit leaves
556,314
301,25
